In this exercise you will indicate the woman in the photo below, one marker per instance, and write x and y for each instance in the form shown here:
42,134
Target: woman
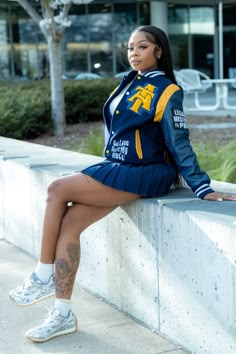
145,129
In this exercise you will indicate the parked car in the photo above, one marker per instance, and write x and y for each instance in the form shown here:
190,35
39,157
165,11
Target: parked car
88,76
122,74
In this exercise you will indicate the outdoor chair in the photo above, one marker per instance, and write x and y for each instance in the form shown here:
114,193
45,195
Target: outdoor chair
232,75
193,82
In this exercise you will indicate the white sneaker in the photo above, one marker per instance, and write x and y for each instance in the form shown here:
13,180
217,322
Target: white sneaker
52,326
33,290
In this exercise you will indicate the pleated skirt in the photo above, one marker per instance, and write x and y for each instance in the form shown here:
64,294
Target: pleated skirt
151,180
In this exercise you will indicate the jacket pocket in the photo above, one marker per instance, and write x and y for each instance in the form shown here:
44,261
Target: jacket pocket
138,145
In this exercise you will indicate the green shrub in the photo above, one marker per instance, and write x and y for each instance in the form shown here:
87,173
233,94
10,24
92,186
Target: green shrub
220,164
85,99
25,108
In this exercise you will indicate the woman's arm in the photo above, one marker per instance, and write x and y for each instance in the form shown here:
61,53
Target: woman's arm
176,135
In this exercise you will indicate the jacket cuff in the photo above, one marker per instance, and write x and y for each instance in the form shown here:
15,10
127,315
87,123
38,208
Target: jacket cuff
203,190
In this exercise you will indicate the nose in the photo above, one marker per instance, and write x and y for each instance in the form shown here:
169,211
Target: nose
135,52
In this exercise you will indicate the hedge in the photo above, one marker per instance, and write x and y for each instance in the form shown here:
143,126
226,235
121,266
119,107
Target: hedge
25,108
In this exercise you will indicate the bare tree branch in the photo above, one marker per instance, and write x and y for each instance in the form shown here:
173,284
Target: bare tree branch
30,10
50,14
66,10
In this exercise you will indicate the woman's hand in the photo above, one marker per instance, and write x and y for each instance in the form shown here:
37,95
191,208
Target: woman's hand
219,197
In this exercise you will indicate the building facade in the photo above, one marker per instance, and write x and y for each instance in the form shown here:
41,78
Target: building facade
96,41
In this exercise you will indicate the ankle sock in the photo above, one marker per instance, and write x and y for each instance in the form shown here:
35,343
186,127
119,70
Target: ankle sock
63,305
44,271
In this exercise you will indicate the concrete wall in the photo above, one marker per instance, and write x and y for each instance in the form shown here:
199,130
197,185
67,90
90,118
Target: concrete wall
168,262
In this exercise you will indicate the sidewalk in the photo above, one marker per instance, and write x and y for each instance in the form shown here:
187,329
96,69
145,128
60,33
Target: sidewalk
102,329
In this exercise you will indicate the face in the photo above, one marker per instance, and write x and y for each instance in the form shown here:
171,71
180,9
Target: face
141,53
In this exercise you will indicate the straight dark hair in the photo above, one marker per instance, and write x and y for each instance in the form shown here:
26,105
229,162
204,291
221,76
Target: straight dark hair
158,37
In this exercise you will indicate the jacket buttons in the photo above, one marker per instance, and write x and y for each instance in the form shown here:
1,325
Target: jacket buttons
117,112
107,151
138,77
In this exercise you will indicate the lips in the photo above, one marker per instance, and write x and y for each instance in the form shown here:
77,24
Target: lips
135,62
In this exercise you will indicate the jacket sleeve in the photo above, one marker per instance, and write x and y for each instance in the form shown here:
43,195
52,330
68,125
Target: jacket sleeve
176,134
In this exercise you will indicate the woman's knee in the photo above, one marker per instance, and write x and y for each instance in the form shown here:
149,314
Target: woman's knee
54,189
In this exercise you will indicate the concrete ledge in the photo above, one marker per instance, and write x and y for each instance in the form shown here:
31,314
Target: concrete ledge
168,262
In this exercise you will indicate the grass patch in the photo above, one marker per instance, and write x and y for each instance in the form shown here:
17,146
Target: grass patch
219,164
92,144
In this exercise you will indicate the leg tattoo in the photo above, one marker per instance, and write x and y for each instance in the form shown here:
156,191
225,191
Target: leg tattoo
66,270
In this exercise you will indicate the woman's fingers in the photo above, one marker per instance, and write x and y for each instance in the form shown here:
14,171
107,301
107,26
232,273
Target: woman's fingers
219,197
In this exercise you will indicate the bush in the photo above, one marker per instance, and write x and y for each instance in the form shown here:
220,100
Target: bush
220,164
25,108
85,99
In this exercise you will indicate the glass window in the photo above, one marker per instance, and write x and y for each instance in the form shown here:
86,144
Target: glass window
95,42
100,39
202,20
143,13
191,34
202,30
75,43
229,40
178,29
5,48
30,50
125,20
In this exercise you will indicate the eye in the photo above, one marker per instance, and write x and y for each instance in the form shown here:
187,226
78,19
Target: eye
130,49
142,47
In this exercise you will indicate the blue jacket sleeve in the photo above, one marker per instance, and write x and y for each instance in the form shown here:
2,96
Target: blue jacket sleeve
176,134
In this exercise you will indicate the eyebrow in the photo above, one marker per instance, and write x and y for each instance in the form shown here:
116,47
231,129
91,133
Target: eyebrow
142,40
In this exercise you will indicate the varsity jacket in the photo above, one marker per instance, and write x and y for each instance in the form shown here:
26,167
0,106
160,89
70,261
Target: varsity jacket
148,120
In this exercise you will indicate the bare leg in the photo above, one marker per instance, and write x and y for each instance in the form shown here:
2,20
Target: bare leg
77,188
63,225
77,218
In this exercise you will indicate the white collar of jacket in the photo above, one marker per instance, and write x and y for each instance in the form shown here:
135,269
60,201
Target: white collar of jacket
152,73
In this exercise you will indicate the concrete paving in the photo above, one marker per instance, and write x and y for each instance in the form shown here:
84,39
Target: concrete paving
102,328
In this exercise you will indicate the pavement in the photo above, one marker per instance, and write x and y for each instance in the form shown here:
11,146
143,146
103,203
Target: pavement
102,328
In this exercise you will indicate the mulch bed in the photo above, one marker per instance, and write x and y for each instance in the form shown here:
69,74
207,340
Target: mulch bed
75,132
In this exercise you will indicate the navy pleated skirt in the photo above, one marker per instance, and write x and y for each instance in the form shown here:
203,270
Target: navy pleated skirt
151,180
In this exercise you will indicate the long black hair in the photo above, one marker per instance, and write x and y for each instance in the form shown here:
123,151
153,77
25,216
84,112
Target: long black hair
157,36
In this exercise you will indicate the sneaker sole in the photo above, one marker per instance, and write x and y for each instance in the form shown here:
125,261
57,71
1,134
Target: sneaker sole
33,302
58,334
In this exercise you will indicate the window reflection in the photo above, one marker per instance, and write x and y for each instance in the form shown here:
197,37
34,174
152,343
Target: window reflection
4,45
75,43
30,50
100,39
125,20
191,34
96,41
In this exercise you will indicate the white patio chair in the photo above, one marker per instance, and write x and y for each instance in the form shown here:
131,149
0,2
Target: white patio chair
195,82
232,75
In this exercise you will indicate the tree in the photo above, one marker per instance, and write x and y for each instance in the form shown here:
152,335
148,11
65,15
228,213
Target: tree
52,18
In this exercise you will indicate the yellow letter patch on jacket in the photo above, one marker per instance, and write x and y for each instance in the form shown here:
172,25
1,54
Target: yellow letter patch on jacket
142,99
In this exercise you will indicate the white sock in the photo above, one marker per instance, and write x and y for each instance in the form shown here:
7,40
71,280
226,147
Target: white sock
44,271
63,305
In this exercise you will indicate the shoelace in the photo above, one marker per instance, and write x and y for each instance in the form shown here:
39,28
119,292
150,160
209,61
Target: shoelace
27,283
49,318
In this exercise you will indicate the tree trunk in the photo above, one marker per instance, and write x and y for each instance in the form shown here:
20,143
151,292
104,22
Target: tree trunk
57,87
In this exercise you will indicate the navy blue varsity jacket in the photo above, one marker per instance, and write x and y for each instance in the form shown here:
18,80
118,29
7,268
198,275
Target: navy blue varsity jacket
148,120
